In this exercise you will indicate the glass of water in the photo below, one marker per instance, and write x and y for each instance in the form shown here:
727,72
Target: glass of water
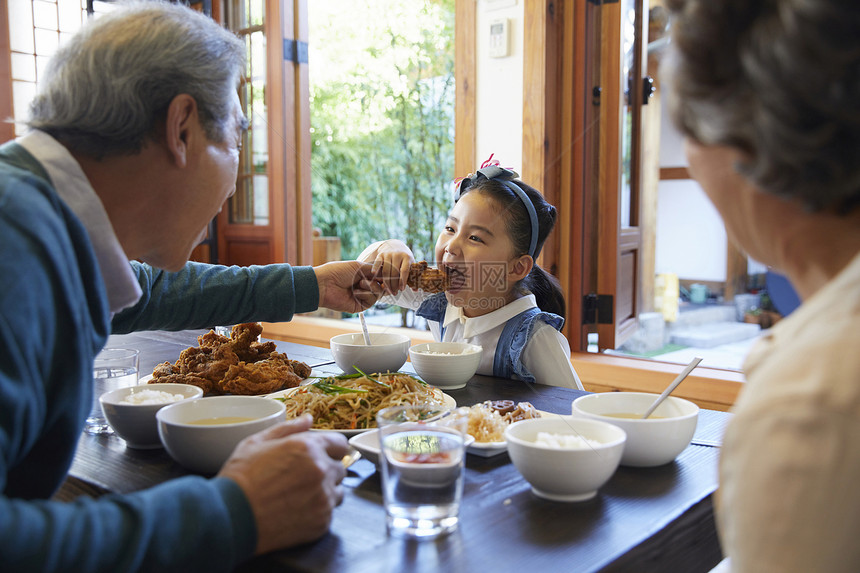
423,454
113,368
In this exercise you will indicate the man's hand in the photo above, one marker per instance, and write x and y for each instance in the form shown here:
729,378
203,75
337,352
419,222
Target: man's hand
291,478
348,286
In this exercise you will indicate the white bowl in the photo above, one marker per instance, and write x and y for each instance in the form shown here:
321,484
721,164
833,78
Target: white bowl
136,423
565,474
446,365
204,448
652,442
387,352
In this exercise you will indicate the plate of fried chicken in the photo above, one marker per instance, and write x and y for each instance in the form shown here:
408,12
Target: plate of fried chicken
238,364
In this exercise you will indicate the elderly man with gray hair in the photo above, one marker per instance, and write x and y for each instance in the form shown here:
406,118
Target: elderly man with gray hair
133,149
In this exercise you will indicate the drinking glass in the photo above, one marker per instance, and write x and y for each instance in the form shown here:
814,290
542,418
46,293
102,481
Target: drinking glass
113,368
423,454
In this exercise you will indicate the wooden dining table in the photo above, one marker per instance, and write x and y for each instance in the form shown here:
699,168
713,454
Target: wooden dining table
642,519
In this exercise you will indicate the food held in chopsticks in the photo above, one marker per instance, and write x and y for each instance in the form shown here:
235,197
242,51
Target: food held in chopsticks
351,401
488,420
428,279
235,365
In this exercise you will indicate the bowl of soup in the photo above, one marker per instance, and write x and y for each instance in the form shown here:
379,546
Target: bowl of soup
654,441
201,434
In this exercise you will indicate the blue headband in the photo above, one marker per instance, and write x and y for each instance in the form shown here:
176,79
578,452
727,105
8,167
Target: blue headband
503,175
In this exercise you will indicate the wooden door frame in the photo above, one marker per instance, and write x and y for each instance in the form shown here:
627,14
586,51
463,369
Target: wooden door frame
465,76
559,114
556,131
543,88
7,128
290,230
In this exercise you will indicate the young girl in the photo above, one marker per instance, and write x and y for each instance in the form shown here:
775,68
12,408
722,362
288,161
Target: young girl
498,297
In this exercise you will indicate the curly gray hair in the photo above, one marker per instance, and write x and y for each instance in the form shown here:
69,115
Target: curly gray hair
105,90
778,80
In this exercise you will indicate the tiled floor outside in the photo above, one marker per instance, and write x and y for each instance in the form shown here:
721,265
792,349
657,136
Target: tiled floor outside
729,355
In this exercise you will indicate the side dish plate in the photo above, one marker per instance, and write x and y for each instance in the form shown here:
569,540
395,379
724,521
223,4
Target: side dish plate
368,444
490,449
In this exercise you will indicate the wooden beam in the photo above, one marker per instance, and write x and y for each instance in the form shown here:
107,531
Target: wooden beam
303,226
671,173
736,272
651,120
543,38
7,128
465,77
712,388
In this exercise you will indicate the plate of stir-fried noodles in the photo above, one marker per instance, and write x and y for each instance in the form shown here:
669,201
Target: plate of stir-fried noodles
348,403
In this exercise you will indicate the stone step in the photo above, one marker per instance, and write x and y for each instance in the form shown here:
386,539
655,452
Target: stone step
713,334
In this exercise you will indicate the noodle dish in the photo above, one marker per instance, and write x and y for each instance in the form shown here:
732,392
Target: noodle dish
350,401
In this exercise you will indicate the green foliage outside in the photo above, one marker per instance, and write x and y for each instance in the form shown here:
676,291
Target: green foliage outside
382,118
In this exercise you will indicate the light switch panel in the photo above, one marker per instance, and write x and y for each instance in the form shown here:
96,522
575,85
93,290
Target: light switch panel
499,43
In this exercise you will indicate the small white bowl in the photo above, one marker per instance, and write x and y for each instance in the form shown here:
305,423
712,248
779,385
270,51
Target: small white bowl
565,474
387,352
446,365
652,442
204,447
136,423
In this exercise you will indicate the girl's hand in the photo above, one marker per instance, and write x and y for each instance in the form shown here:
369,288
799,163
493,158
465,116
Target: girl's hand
391,260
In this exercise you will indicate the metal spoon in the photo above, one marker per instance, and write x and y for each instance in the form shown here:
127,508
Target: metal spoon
672,386
364,328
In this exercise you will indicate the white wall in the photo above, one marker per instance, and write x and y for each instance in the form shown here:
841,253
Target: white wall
691,238
499,87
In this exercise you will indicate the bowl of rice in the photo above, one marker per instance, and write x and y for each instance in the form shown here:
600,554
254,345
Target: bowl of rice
565,458
446,365
130,411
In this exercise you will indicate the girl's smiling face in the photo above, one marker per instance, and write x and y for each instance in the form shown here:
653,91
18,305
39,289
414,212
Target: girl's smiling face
474,248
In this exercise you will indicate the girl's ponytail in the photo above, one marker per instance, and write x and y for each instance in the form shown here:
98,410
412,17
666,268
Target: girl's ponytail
547,290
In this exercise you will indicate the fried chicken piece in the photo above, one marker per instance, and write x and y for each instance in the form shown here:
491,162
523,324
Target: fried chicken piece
263,377
164,369
207,386
207,362
212,339
300,369
237,365
243,340
430,280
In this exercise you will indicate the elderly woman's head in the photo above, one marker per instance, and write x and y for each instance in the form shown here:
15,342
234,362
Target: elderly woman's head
106,90
780,81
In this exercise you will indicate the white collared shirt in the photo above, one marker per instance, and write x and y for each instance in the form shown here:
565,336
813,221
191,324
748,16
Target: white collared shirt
75,190
546,355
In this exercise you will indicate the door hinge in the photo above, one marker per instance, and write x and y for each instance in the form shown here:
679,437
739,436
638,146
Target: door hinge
295,51
597,309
